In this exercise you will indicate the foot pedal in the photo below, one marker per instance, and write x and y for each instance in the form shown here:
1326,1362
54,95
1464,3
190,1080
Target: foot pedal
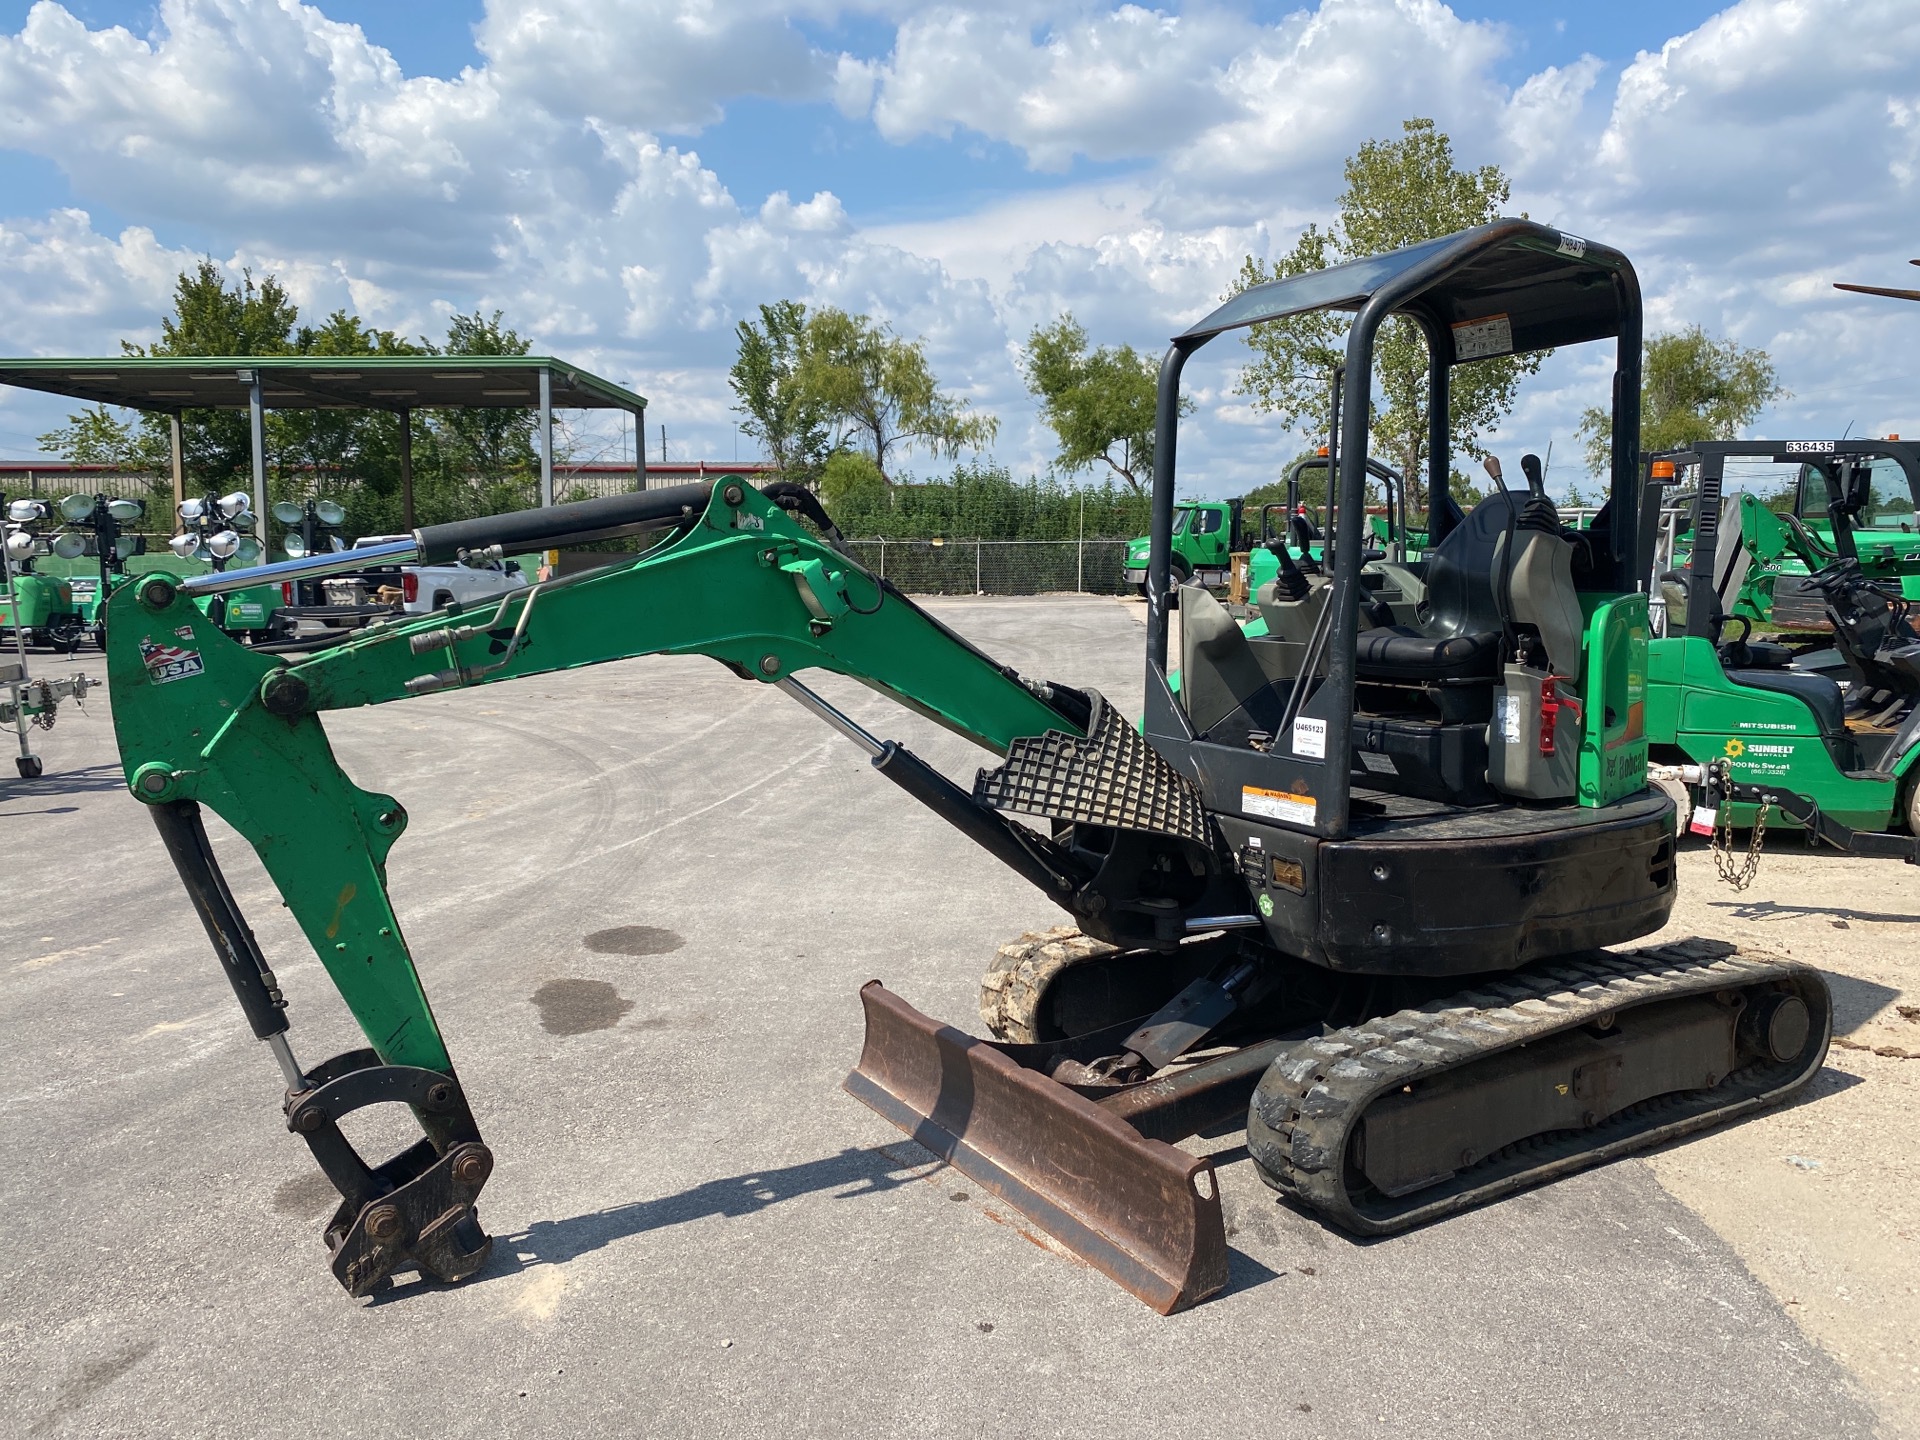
417,1209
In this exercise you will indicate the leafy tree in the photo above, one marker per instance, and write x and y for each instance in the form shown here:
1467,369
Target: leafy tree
502,443
780,411
1099,403
212,318
880,391
99,437
465,462
1692,387
851,484
1399,192
209,318
331,449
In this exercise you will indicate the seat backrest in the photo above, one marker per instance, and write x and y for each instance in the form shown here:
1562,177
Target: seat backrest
1460,598
1731,559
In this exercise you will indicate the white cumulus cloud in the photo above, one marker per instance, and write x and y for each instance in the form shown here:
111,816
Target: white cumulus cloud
1744,165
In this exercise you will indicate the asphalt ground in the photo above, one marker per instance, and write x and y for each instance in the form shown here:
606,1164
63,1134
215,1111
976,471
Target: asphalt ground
642,899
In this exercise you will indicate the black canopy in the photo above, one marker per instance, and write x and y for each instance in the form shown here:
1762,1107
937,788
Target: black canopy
1503,288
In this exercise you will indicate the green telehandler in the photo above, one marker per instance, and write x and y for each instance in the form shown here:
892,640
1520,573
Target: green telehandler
1312,889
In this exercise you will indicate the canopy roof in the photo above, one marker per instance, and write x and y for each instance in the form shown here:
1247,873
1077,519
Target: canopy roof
313,382
1505,288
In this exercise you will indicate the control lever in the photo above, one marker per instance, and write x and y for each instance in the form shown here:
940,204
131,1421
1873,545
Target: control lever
1492,462
1536,479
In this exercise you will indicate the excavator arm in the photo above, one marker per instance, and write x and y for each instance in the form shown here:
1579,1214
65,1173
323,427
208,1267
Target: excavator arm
203,721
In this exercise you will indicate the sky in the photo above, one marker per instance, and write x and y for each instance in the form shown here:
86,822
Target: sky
628,179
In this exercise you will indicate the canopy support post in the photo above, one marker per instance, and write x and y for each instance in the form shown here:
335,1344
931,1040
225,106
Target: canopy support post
546,436
256,415
406,469
178,456
640,448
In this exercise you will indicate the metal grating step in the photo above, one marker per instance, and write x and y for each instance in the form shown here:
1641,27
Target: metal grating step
1111,776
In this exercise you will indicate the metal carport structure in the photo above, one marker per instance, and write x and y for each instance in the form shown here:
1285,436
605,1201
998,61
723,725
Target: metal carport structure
398,384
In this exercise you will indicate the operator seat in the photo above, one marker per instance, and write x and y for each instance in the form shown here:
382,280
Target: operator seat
1820,695
1460,633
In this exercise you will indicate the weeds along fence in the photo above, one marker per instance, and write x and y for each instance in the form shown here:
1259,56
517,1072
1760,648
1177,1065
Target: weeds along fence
997,567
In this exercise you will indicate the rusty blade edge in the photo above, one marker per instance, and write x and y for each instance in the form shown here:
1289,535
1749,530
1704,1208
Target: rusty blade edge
1166,1282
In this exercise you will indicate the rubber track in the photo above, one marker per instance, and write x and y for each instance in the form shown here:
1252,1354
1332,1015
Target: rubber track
1304,1113
1016,983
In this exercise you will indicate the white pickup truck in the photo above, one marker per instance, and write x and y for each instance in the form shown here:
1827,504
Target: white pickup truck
420,589
351,601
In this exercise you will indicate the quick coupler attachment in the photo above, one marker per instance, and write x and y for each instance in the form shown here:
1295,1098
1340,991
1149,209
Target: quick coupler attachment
415,1210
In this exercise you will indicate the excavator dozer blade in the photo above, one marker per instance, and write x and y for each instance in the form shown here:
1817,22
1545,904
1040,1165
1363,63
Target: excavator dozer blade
1143,1213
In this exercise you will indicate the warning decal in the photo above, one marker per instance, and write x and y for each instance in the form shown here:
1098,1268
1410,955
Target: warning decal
1477,339
1278,805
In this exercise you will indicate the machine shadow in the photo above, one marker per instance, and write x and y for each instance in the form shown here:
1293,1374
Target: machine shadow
1773,910
1855,1001
87,780
871,1171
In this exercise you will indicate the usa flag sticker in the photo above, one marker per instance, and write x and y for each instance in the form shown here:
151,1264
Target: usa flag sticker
167,663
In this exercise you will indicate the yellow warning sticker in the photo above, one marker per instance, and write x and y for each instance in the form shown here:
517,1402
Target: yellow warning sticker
1278,805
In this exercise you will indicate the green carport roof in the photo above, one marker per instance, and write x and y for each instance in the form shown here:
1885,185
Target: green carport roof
309,382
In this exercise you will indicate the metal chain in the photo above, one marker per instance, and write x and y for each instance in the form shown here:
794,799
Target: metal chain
1722,843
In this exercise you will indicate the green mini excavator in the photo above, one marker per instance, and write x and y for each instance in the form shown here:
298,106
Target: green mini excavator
1352,881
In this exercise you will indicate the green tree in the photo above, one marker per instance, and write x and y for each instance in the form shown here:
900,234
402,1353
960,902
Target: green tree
465,462
1692,387
851,484
1399,192
788,419
209,318
326,451
878,388
99,437
1099,403
493,443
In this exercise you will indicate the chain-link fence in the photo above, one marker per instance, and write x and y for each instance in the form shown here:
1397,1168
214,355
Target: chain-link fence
998,567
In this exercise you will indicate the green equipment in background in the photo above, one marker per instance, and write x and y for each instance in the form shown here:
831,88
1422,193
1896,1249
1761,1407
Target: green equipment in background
214,534
1206,535
1850,497
36,609
25,701
1736,725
